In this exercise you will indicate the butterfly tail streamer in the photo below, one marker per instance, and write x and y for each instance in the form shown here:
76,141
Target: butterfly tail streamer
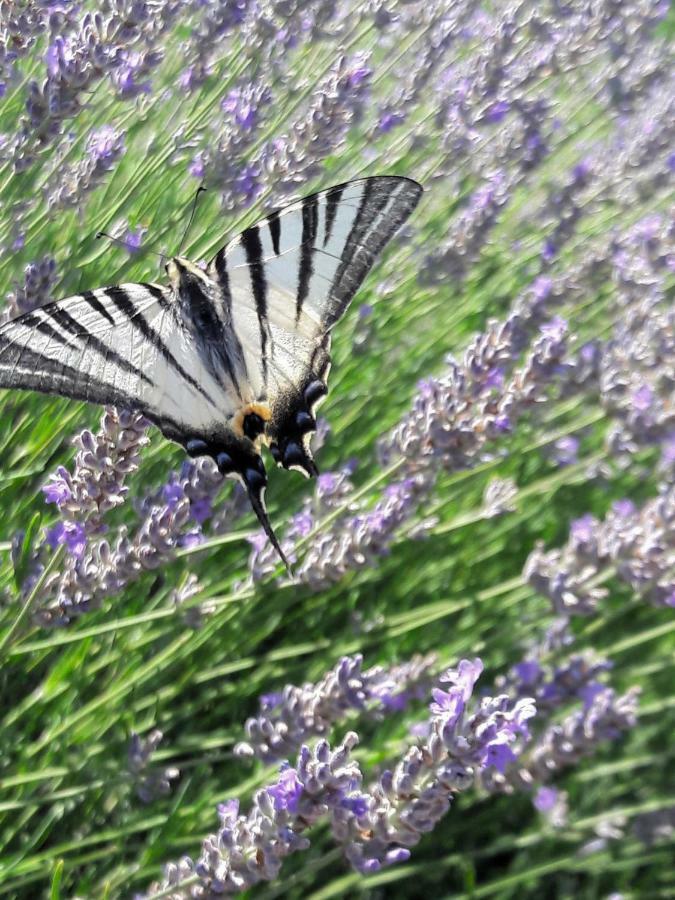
255,495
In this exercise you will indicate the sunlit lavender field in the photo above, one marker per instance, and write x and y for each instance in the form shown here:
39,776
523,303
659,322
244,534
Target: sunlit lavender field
467,690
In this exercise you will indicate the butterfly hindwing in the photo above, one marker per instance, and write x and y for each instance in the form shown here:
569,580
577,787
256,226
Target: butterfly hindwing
289,278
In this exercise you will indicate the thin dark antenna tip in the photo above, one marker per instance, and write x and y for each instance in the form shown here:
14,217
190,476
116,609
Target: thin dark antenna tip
122,243
192,215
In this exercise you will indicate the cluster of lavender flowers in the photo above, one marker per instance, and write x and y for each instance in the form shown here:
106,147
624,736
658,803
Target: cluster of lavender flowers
105,146
557,745
637,371
638,544
289,718
171,519
150,782
452,419
486,742
375,827
39,280
118,41
102,464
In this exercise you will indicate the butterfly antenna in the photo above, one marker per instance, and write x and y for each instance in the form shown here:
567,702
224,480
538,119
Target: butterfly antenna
192,215
258,505
123,243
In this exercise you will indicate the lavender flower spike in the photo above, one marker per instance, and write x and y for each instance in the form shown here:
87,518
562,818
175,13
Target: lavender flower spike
376,826
290,718
151,783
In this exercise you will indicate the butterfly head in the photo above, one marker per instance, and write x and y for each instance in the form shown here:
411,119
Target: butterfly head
184,274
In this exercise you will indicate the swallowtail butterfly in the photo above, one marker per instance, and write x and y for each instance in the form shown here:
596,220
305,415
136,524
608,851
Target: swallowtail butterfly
225,359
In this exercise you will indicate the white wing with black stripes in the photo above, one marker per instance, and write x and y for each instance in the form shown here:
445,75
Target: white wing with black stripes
226,359
124,345
289,279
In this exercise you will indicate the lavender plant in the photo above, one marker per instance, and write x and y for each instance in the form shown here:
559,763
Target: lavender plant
500,456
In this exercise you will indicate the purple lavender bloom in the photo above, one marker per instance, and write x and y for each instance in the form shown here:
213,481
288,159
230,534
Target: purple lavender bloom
642,398
74,537
58,489
623,508
197,166
228,811
247,184
389,120
173,494
191,539
549,250
545,799
498,755
503,423
133,239
497,111
240,105
464,677
151,782
201,509
528,671
104,144
287,791
55,535
495,377
447,704
565,450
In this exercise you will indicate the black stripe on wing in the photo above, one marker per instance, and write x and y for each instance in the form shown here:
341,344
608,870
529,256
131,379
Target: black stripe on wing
72,326
31,370
93,301
310,217
232,343
123,301
250,240
332,202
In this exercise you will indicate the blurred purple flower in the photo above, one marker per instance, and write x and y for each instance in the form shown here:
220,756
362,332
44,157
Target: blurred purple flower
58,489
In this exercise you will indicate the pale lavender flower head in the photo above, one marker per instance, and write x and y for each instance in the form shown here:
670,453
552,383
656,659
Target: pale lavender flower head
464,677
642,398
133,239
565,450
545,799
197,166
59,489
287,791
105,144
74,537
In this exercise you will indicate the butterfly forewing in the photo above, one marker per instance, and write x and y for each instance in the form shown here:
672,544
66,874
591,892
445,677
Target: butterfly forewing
290,278
122,345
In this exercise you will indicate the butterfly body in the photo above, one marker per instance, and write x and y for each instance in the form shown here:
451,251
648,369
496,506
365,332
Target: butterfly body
226,359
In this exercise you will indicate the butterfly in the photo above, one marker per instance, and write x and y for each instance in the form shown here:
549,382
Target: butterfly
227,358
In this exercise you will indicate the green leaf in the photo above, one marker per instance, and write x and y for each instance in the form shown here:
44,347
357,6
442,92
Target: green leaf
22,563
55,892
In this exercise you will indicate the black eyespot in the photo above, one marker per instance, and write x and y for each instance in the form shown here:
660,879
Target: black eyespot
313,391
196,447
254,479
276,452
293,454
224,462
253,425
305,422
